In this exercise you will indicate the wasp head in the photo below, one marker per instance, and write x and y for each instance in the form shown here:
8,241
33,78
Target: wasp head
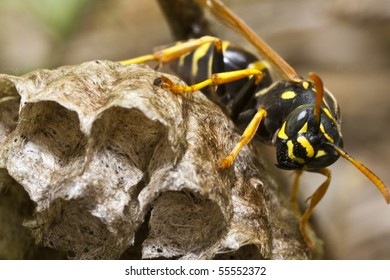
304,143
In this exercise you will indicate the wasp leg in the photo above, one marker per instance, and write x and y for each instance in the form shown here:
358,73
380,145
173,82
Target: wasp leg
246,137
216,79
314,199
294,192
169,54
242,98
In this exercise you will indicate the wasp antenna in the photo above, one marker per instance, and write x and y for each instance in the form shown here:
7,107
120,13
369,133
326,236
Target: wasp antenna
369,174
319,86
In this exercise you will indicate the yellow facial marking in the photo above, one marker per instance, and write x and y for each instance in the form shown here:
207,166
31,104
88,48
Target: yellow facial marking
290,150
303,129
305,84
288,94
282,134
321,153
324,101
306,144
322,128
328,114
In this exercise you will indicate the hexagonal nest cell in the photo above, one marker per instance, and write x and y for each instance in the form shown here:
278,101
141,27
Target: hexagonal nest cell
113,166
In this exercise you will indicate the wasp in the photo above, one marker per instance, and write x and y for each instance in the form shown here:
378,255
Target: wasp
297,115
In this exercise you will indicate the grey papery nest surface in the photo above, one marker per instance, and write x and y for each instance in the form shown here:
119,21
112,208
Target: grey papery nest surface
104,155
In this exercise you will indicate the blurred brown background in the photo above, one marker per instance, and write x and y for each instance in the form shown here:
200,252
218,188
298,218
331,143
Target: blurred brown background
347,42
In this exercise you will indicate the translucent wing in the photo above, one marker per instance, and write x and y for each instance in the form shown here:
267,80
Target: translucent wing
232,21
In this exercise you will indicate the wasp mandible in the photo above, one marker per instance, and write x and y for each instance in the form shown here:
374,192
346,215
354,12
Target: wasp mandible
298,116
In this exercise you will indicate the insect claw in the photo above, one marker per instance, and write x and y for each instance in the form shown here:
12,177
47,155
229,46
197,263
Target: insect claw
226,162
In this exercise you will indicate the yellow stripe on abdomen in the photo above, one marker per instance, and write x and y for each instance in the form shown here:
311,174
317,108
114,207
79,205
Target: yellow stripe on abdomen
197,55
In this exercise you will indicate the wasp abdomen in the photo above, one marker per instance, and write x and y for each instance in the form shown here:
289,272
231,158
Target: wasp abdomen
198,65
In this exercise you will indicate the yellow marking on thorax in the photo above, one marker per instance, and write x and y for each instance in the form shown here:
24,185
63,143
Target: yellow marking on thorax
260,65
290,150
321,153
288,94
225,45
322,128
282,134
306,144
264,91
198,54
305,84
261,92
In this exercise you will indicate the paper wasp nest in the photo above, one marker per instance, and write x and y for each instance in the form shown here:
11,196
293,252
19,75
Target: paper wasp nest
109,159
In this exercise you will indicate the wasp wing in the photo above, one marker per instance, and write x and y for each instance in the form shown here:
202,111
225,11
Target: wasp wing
232,21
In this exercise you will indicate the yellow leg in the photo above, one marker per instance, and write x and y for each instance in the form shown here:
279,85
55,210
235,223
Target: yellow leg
176,51
216,79
294,191
246,137
314,200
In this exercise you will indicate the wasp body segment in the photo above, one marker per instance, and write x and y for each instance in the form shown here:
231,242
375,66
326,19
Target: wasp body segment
238,97
290,124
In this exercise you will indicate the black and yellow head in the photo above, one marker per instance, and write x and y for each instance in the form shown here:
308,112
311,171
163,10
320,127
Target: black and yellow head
304,143
303,123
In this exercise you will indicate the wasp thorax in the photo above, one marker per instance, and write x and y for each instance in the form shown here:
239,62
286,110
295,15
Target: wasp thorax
303,143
